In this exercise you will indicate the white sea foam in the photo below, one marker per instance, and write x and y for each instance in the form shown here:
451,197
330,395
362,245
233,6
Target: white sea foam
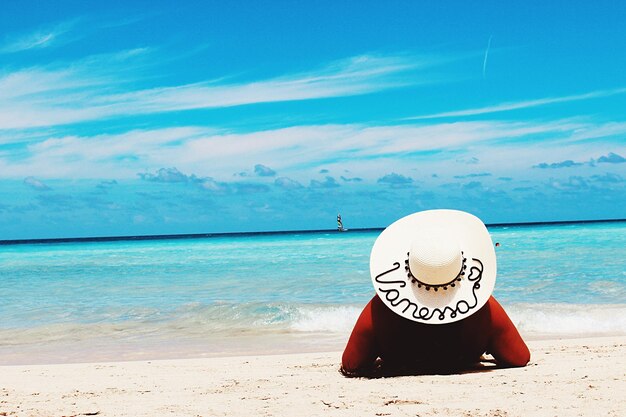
569,319
531,319
335,319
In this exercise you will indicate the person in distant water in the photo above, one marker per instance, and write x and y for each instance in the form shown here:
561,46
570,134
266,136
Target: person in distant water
434,272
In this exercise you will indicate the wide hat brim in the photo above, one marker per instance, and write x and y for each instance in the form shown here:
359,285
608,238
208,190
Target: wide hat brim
394,287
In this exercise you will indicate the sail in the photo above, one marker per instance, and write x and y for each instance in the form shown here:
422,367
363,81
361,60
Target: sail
340,224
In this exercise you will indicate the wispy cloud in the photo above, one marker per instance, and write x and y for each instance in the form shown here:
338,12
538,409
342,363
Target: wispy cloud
564,164
608,178
174,176
486,56
510,106
358,75
611,158
39,39
97,88
36,184
473,175
329,182
287,183
573,183
166,175
366,152
469,161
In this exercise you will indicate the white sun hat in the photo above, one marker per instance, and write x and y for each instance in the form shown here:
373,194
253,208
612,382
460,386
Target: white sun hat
434,266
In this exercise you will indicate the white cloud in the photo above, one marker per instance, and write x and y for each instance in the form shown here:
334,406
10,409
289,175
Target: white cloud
166,175
504,107
300,152
96,88
329,182
36,184
394,179
38,39
264,171
287,183
612,158
352,76
101,156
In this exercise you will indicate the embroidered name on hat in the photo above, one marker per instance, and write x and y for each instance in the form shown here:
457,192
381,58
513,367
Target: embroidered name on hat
396,301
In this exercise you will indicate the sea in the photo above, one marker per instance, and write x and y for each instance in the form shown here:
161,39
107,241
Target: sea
249,294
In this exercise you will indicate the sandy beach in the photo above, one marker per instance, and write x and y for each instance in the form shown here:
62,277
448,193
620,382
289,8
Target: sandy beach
569,377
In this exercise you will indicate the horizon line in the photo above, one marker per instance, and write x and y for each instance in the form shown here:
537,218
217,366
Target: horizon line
8,242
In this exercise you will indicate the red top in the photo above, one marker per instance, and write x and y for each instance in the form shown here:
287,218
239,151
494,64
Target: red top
408,346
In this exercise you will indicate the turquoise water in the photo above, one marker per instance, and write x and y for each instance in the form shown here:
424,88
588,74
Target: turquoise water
274,293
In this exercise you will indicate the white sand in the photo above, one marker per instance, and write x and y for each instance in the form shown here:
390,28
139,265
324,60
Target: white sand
576,377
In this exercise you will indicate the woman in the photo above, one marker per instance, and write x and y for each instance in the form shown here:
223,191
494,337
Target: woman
433,272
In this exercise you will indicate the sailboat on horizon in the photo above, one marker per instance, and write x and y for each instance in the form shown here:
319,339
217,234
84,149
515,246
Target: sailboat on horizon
340,227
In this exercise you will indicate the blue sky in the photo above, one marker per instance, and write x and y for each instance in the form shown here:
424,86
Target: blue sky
155,117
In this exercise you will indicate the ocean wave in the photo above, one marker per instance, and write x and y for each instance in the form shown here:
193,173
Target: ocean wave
217,321
548,319
325,318
568,319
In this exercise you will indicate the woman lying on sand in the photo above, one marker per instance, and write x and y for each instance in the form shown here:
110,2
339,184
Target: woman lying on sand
433,312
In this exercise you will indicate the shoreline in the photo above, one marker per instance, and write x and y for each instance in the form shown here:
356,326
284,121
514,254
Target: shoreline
116,351
583,376
84,352
104,350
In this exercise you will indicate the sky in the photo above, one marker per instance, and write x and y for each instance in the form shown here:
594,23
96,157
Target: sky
152,117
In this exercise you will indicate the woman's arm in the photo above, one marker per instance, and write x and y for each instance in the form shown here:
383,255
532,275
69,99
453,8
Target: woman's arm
506,344
360,354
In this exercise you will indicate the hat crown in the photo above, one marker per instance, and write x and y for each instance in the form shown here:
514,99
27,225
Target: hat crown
450,271
435,258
